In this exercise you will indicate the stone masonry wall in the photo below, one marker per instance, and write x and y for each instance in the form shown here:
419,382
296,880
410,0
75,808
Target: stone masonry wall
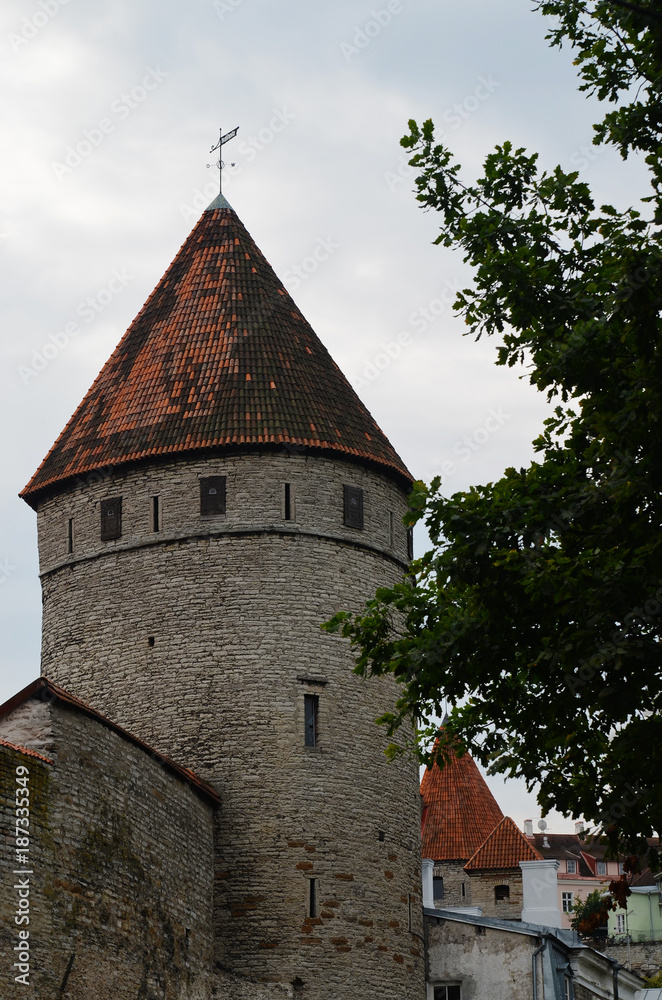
483,885
204,638
643,957
454,877
122,871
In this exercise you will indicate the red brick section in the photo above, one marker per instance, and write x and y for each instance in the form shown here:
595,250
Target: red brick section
219,356
505,847
459,810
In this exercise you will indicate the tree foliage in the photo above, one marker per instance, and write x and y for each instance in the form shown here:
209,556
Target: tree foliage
537,613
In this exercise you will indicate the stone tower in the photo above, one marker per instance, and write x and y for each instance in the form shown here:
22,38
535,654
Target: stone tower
219,493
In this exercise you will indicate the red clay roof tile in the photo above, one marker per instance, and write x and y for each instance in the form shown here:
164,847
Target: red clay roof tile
219,337
460,810
29,753
505,847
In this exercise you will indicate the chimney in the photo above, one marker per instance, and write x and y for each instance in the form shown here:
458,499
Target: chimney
579,827
540,892
528,827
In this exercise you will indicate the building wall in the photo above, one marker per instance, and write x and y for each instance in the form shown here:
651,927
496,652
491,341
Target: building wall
644,958
204,639
489,964
454,877
644,918
122,870
482,894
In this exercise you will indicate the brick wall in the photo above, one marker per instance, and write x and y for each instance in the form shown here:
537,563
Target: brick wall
122,869
203,639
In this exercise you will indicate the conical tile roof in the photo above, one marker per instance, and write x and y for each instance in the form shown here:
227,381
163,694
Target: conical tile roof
504,848
459,810
219,356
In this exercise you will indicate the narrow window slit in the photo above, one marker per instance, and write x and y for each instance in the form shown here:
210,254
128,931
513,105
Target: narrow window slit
311,708
288,502
70,535
156,514
312,898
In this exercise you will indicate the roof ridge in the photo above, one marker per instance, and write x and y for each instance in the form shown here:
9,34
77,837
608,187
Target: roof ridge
504,847
43,685
219,356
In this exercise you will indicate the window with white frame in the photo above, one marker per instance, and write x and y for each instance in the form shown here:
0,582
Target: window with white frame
567,984
571,867
620,923
602,867
450,991
566,901
621,868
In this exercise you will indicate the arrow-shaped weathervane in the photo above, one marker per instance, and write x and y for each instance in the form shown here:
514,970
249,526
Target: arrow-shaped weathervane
220,164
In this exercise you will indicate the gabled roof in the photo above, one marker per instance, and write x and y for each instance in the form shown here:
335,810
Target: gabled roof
218,357
459,809
46,690
505,847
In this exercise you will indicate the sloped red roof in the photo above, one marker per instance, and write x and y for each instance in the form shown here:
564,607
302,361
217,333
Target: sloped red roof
460,810
505,847
219,356
24,750
45,688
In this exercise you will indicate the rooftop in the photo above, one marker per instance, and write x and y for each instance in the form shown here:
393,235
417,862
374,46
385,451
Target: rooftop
219,357
504,848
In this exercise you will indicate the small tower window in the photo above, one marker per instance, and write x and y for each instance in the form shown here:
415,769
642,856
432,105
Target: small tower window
70,535
156,513
212,496
437,888
353,497
501,893
288,506
111,519
311,709
410,543
391,529
313,892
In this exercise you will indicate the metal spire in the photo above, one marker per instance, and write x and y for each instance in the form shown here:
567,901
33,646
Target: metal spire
222,139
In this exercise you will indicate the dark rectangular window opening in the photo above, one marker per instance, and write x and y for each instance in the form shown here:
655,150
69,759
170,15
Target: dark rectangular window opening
463,891
212,496
437,888
410,917
311,708
111,519
353,506
501,893
410,543
288,502
156,513
391,529
313,907
70,535
447,993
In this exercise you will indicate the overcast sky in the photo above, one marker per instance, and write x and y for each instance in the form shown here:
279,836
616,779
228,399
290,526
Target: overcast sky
108,115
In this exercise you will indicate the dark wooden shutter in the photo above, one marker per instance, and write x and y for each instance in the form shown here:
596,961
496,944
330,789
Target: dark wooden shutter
212,496
111,519
310,704
353,506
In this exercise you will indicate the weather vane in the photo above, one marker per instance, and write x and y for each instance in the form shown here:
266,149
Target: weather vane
219,163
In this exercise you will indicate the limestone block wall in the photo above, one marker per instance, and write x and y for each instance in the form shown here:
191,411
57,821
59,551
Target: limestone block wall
643,957
204,638
455,878
121,856
483,885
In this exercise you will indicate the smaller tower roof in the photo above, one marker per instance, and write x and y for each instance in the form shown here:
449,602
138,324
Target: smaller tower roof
460,810
505,847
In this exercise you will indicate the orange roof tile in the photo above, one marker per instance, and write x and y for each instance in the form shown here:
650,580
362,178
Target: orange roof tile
219,356
29,753
505,847
460,810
